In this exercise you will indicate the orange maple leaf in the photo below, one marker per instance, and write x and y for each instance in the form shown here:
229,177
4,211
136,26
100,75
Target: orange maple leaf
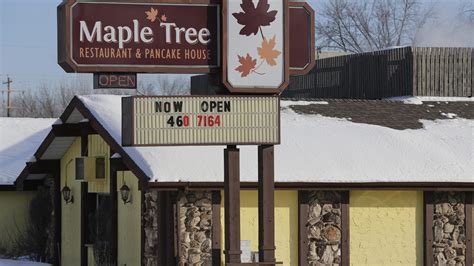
246,65
163,17
152,14
268,52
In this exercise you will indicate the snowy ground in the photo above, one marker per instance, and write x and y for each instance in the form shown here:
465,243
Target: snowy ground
5,262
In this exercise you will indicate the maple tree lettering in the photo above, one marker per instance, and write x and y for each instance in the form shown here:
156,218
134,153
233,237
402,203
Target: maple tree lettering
121,35
191,35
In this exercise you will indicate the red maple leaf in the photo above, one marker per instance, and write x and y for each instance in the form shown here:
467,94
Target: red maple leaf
246,65
254,17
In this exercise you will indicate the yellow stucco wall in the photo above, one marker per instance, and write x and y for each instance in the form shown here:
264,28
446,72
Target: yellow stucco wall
286,223
129,221
386,227
70,213
13,215
97,147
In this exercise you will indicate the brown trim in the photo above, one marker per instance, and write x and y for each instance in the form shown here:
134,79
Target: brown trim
128,112
43,166
142,228
57,217
8,188
83,248
428,223
266,203
84,141
286,71
435,186
72,130
114,211
64,45
312,49
469,232
232,204
303,210
216,228
44,145
345,228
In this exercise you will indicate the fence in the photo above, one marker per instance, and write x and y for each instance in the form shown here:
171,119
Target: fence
380,74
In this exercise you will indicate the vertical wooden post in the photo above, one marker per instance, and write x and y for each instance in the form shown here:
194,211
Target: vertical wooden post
303,210
114,211
57,216
345,257
266,203
232,204
428,222
469,233
216,228
84,211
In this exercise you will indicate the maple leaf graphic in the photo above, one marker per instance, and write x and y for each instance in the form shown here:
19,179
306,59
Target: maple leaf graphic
163,17
246,65
268,52
254,17
152,14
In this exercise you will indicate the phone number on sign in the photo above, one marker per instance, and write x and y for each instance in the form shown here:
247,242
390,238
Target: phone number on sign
202,121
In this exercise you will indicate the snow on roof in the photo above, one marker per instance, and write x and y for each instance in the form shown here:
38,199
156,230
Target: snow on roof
19,139
316,148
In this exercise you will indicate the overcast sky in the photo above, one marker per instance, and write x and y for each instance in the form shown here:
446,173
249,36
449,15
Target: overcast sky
28,40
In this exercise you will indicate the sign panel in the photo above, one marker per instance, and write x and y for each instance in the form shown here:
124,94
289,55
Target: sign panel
115,80
255,47
302,40
139,37
200,120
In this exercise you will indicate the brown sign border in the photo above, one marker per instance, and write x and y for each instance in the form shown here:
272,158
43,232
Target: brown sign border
65,52
312,48
128,122
256,90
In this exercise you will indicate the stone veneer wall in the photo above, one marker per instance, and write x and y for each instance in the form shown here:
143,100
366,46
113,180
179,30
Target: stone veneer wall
150,225
324,227
449,230
195,225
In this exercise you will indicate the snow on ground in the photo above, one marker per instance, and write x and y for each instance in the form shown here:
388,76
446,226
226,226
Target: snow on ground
421,99
316,149
19,139
5,262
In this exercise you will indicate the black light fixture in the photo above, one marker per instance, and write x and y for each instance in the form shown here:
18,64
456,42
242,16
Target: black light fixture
125,193
66,191
67,195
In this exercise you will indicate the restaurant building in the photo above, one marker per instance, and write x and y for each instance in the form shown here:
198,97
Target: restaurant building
360,182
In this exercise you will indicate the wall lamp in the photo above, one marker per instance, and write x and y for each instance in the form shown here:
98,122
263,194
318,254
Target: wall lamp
66,191
125,192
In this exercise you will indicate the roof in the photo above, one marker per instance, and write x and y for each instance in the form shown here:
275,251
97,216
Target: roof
19,139
322,142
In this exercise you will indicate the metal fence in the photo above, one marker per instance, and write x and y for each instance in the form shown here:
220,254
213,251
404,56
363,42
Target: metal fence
387,73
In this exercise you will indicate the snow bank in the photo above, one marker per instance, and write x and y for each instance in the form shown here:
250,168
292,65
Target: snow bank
420,99
19,139
316,149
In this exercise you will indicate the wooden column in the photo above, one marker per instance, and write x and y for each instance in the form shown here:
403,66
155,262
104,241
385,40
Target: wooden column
345,228
232,204
216,228
84,231
266,203
57,217
303,210
114,211
428,222
469,233
84,138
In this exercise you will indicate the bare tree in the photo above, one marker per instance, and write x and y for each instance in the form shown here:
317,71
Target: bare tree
360,26
165,85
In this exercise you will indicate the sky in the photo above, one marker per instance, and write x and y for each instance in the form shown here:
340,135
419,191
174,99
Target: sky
28,39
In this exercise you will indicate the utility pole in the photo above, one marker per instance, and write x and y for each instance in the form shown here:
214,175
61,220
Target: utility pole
9,91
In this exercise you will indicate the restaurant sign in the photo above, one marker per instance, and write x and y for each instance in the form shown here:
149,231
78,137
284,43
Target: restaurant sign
200,120
152,37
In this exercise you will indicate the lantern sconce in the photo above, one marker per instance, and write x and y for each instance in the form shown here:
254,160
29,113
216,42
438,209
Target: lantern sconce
125,191
66,191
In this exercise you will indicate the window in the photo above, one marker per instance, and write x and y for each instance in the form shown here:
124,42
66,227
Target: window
80,169
100,168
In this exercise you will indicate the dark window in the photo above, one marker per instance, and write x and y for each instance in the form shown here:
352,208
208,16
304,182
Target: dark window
79,168
100,168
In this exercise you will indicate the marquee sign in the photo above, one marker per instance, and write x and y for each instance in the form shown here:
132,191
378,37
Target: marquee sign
167,36
200,120
256,45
